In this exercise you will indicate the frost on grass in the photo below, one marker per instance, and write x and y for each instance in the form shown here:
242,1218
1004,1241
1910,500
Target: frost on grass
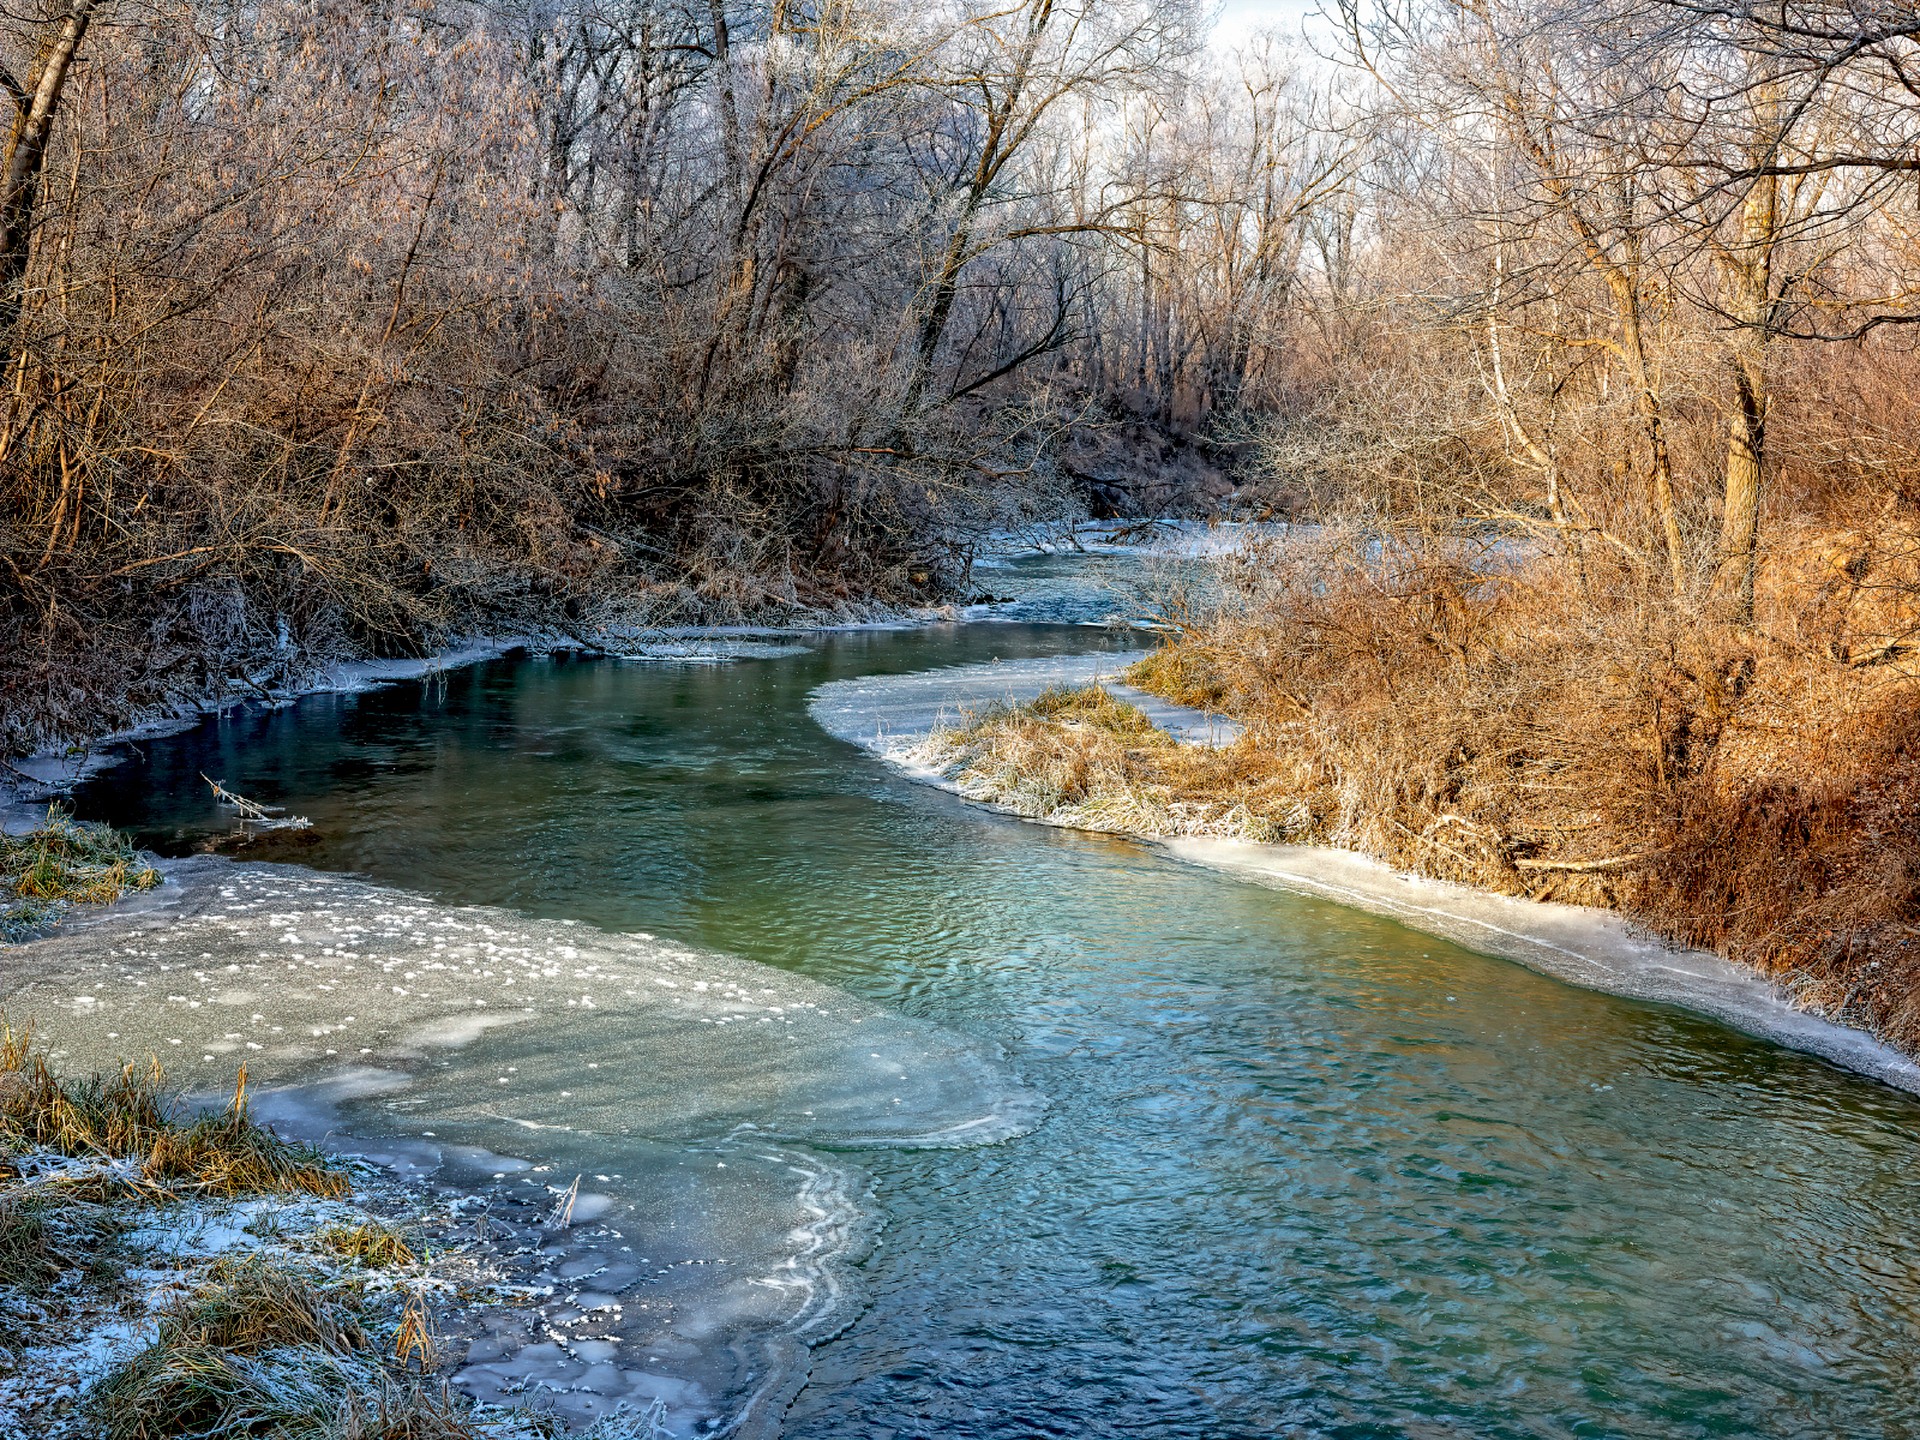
59,863
620,1111
167,1273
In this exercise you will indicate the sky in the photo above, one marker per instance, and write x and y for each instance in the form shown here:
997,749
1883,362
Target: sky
1240,18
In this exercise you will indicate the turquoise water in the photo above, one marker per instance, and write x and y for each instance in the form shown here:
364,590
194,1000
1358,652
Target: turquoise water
1304,1171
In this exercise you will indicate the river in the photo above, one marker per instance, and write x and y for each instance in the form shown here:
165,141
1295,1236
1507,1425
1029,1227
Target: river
1299,1171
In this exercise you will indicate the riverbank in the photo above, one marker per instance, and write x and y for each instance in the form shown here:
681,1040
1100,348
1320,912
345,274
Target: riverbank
919,724
28,782
168,1266
1352,1139
674,1238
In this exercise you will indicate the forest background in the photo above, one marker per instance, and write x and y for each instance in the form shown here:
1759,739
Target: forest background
1581,332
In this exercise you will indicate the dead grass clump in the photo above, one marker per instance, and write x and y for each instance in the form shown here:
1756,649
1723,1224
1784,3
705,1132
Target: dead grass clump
369,1244
47,1236
26,1245
251,1350
1183,674
1082,758
115,1116
260,1350
61,861
229,1154
132,1115
249,1306
1040,758
44,1233
1094,707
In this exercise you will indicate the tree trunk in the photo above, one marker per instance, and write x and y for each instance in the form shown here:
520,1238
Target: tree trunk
1746,454
24,157
1626,290
1748,275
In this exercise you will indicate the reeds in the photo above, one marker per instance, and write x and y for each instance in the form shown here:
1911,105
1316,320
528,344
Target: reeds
131,1115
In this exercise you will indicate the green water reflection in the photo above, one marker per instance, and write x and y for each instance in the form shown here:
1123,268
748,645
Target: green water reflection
1305,1172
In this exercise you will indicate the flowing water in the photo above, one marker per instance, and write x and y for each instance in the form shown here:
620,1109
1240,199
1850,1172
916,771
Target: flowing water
1300,1171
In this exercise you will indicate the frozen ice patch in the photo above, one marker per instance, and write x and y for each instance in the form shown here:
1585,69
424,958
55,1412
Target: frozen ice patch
508,1055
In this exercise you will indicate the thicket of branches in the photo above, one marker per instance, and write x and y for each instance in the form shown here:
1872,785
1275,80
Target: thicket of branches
334,326
1634,272
1615,391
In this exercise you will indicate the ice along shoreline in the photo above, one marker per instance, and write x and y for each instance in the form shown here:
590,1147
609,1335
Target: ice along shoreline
710,1235
891,716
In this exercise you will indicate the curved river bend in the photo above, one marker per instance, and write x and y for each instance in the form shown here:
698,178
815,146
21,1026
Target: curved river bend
1301,1171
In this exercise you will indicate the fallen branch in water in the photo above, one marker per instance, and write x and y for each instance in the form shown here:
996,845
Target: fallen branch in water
252,812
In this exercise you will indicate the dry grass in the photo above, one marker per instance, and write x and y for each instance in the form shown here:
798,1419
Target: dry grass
1182,674
60,862
369,1244
253,1349
1093,708
131,1115
283,1336
258,1349
44,1236
26,1245
1554,731
1082,758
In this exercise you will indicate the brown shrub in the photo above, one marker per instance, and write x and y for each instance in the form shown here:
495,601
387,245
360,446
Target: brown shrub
1570,732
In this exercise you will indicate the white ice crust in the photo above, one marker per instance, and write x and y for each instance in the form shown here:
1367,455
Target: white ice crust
891,715
708,1244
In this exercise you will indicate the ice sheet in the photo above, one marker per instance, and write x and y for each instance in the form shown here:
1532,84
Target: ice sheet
705,1247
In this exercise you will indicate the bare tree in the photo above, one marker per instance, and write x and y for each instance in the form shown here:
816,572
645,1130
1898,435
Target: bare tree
54,42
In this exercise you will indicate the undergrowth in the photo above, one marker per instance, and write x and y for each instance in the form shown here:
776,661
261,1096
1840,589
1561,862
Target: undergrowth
1541,728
